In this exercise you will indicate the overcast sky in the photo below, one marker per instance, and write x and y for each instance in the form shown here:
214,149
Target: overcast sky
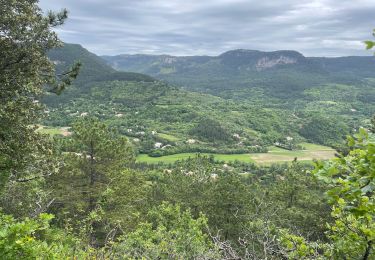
210,27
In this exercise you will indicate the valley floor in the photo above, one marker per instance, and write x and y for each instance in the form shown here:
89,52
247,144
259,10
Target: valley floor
274,155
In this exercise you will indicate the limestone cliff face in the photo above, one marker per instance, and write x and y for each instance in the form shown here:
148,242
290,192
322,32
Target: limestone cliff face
266,62
225,65
169,60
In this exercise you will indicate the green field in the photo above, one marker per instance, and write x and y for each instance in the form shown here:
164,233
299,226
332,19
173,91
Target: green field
168,137
181,156
309,146
275,154
53,130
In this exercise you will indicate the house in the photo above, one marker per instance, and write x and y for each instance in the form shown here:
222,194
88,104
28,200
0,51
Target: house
191,141
158,145
166,146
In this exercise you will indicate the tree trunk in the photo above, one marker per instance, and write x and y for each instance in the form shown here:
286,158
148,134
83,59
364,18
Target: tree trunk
368,250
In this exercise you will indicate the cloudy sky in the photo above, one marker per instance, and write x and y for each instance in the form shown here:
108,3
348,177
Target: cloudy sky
210,27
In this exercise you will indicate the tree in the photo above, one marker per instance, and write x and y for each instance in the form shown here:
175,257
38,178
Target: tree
211,130
25,74
36,239
169,233
94,167
352,196
226,204
203,187
326,131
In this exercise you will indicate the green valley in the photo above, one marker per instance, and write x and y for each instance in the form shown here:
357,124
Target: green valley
162,119
254,155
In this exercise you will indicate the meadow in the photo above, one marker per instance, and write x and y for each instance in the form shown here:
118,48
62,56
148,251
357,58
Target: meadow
274,155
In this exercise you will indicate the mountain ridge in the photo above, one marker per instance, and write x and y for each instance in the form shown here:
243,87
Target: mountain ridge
280,73
242,52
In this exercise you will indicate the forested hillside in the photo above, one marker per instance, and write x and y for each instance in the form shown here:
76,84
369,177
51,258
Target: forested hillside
246,74
72,130
248,60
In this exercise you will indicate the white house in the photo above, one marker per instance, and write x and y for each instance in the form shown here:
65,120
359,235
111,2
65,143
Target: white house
158,145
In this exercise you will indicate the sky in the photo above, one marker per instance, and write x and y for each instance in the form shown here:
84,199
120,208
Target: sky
211,27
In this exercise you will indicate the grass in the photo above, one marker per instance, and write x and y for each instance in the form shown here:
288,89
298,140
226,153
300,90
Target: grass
309,146
50,131
232,157
311,152
53,130
175,157
168,137
275,155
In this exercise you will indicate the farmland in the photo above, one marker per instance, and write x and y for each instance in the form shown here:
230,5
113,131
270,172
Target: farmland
274,155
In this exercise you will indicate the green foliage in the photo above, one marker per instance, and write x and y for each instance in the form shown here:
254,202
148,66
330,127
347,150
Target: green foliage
352,181
25,71
299,199
326,131
18,240
296,247
170,233
210,130
125,76
95,166
198,184
35,239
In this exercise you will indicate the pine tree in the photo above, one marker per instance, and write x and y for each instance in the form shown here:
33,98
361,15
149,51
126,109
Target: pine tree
25,75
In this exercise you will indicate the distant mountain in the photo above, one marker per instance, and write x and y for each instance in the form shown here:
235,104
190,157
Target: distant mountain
92,65
355,66
249,60
230,61
281,74
93,68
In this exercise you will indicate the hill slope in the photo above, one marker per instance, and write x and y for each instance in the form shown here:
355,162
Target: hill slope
243,73
93,67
